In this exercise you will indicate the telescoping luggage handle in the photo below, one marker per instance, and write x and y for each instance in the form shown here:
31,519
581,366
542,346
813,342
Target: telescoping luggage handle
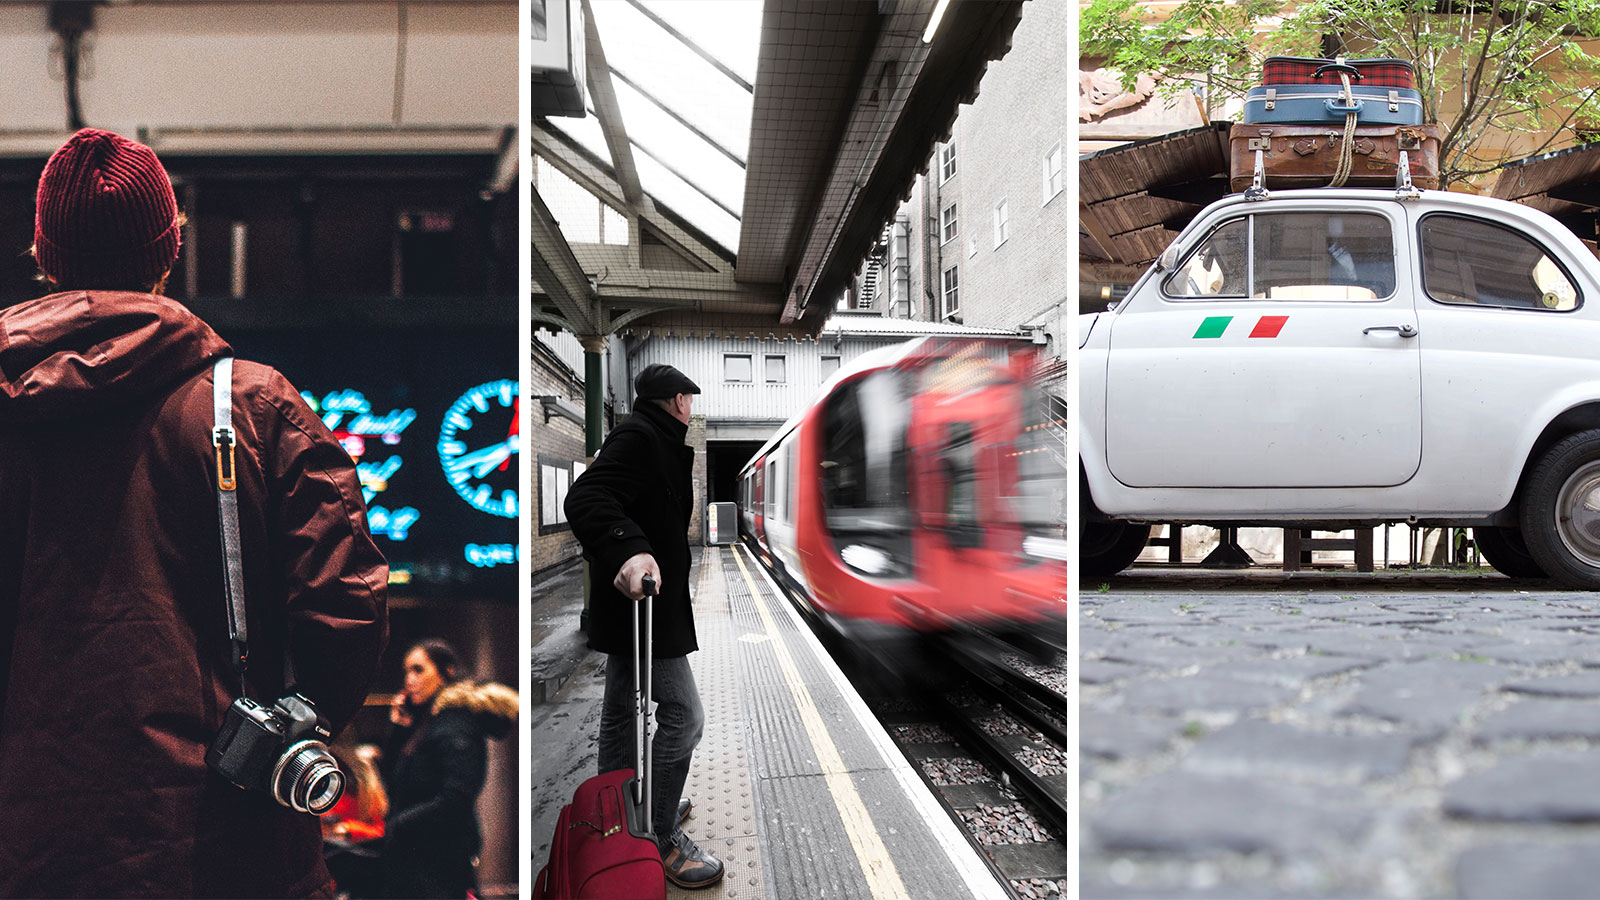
641,699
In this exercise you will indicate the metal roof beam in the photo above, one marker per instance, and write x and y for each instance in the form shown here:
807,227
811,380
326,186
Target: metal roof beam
580,168
715,63
609,113
681,177
687,180
557,271
661,105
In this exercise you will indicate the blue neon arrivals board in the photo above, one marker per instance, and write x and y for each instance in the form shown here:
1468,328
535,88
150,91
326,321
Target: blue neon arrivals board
432,419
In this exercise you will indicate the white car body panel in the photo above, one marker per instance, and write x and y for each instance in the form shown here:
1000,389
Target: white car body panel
1324,422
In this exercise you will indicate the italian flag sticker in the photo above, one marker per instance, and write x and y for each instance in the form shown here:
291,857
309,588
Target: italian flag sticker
1214,326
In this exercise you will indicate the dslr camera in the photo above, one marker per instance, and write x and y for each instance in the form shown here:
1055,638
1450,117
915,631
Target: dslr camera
280,750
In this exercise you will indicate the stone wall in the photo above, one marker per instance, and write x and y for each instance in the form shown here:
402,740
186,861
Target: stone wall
696,439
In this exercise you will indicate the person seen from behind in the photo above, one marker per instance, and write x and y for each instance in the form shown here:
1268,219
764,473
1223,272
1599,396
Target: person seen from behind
434,766
116,670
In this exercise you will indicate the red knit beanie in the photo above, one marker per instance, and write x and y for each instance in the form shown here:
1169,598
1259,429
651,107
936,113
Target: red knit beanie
106,216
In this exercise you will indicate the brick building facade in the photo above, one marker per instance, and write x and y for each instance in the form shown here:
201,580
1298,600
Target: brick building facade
988,232
555,454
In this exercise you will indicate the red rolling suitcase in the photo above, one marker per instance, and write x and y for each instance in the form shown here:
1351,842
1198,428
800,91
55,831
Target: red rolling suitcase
603,847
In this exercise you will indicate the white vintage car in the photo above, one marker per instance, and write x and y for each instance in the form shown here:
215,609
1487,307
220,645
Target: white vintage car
1343,357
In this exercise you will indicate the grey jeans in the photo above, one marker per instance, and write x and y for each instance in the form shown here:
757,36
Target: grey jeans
679,722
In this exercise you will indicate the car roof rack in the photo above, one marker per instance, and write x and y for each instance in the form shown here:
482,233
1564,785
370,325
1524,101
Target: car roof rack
1403,188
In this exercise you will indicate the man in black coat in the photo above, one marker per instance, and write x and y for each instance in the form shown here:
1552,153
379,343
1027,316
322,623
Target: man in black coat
631,510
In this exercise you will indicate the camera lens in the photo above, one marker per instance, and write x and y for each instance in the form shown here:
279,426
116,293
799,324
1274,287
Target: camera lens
307,779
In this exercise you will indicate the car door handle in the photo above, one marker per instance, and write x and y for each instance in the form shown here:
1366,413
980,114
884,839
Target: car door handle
1405,331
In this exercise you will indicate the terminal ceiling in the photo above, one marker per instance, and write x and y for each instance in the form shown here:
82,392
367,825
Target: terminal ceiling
752,200
265,78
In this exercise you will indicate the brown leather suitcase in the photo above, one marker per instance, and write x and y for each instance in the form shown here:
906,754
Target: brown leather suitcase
1304,156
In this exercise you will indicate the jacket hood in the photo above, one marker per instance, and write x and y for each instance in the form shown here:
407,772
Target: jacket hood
494,705
77,352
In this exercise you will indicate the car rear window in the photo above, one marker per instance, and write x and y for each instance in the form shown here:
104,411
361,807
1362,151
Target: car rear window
1470,262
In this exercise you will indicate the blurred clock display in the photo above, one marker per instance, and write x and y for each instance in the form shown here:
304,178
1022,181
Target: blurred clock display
432,421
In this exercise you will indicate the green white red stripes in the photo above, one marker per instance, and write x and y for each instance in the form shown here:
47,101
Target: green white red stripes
1217,326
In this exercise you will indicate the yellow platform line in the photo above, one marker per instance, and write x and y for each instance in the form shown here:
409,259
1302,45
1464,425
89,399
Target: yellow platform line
882,878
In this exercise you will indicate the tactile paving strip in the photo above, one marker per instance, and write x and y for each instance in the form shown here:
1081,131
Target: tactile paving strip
807,851
724,818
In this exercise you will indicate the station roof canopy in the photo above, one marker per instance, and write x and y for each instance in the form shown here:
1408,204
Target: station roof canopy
738,159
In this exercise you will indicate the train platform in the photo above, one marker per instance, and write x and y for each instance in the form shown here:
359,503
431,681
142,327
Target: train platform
796,786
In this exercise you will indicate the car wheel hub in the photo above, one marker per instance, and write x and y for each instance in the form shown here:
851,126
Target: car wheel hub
1578,514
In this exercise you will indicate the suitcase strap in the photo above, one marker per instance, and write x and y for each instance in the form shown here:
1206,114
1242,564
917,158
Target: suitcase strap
1351,108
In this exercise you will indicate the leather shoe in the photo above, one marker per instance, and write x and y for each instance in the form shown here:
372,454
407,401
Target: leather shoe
684,805
687,865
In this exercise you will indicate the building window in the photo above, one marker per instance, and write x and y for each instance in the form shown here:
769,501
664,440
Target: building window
947,223
952,293
775,370
1002,222
947,162
555,477
1052,173
830,365
737,367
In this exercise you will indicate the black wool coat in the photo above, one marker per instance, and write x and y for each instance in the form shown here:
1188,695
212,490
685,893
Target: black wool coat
637,497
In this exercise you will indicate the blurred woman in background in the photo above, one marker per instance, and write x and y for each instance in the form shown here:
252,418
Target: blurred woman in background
434,766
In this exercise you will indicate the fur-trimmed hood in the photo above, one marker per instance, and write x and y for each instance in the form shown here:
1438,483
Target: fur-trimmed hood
493,704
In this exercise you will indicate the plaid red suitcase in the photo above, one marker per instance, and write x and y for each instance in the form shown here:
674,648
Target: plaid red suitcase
1277,71
603,848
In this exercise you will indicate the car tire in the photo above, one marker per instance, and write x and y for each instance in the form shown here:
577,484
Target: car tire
1106,548
1560,513
1507,552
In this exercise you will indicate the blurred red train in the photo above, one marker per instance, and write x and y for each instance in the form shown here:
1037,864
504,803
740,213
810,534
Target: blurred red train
921,492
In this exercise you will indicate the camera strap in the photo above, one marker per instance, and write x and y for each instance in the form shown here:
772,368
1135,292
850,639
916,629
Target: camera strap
222,440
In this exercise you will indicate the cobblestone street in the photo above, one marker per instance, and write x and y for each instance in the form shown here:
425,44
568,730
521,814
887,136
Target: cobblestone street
1335,735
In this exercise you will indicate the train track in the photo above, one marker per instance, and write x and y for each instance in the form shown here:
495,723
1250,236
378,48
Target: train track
976,745
965,740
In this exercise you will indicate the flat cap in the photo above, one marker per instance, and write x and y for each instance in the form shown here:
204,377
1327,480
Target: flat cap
661,381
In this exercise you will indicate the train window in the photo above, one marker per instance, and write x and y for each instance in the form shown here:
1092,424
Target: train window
789,487
1039,502
959,464
864,484
775,478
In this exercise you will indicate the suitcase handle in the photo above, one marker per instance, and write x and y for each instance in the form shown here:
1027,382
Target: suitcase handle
1339,106
1345,68
641,698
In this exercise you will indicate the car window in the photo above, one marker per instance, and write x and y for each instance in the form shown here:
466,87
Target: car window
1297,256
1217,268
1322,256
1476,263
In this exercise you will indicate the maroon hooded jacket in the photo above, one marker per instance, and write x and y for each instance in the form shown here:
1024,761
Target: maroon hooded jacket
114,667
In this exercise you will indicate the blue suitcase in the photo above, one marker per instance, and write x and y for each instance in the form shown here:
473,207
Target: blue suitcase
1311,104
